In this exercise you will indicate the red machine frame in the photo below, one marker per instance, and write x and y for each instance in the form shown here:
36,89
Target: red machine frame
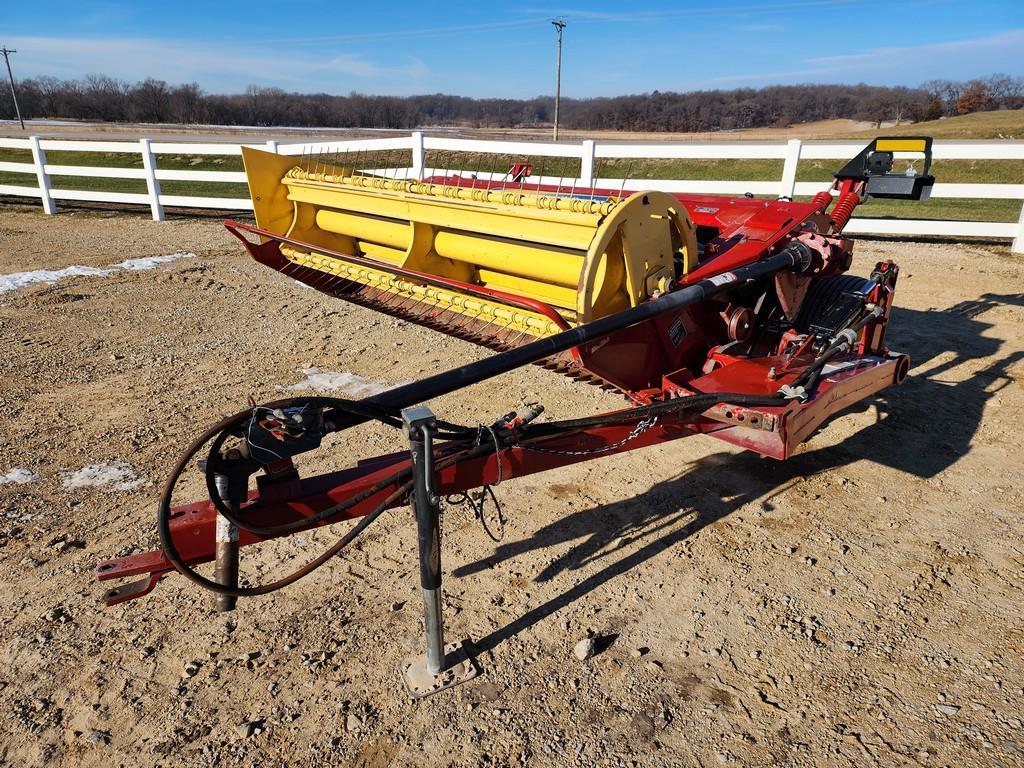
748,228
687,346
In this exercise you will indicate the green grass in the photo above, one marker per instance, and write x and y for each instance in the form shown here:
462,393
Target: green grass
952,171
114,160
942,209
1005,124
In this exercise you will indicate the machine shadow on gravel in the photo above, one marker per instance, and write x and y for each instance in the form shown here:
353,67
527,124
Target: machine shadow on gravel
923,427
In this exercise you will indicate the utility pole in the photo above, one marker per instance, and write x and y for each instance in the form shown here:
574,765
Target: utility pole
559,24
7,52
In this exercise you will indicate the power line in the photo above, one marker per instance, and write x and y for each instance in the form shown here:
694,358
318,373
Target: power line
559,25
10,76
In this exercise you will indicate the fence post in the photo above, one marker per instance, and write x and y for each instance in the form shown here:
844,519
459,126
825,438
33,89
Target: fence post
39,158
587,150
788,184
272,146
1018,242
152,184
418,155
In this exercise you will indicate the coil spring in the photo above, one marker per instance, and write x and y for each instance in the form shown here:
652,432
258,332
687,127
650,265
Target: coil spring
822,200
844,210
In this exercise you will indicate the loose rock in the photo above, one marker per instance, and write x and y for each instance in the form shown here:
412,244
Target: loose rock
585,649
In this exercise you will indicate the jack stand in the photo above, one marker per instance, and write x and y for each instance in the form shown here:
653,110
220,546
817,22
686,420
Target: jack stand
442,666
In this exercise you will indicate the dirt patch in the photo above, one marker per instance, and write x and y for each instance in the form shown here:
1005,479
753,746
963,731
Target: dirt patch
858,604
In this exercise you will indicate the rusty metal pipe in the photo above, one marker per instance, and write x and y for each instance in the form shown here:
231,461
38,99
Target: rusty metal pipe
226,551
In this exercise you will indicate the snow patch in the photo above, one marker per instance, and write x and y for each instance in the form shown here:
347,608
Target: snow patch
18,280
351,384
151,262
119,475
19,476
22,279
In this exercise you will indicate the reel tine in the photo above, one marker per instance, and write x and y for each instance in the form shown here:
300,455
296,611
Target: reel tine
460,321
519,337
593,181
407,305
320,282
480,182
622,186
422,309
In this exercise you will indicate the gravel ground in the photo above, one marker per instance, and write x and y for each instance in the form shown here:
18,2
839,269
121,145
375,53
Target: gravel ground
859,604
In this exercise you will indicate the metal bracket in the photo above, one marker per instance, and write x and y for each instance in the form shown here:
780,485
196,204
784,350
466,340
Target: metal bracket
132,590
743,417
458,667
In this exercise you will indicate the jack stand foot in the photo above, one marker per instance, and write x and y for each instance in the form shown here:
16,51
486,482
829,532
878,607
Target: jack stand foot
459,667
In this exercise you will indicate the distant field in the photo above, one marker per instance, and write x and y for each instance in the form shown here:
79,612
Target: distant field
1006,124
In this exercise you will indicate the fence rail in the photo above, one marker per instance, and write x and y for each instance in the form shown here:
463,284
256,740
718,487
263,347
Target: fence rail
589,153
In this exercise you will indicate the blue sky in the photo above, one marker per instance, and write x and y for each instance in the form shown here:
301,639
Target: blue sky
489,49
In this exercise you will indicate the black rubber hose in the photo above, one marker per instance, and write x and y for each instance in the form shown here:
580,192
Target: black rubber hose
812,374
212,461
809,378
171,552
312,521
359,408
220,431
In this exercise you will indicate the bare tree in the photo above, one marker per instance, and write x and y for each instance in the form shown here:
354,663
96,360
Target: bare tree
98,97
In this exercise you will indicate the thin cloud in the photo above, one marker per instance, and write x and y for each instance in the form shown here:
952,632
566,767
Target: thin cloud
187,61
398,34
1012,38
761,27
716,9
900,58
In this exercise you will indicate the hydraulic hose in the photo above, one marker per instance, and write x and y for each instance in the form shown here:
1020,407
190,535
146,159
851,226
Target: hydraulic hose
841,343
223,429
220,431
173,556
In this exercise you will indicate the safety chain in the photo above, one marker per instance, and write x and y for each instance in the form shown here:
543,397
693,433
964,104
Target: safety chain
639,429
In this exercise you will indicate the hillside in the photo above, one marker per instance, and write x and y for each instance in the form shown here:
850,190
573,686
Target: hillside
1004,124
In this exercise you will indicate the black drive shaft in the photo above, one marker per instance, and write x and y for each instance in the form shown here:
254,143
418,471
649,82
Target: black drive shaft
795,255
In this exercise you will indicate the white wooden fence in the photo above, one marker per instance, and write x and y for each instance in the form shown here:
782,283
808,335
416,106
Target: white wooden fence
590,154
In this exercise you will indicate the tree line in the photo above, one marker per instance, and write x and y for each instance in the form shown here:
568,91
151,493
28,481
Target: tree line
102,98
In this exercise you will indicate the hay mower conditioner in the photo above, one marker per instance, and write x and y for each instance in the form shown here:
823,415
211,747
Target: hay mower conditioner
730,317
